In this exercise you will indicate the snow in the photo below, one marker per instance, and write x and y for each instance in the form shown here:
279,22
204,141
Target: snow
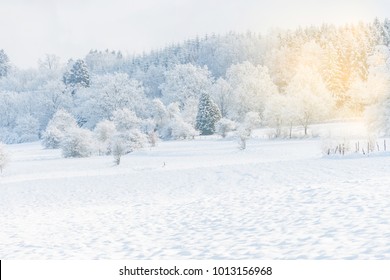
201,199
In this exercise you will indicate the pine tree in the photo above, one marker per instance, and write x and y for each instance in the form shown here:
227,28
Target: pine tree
4,64
208,115
78,75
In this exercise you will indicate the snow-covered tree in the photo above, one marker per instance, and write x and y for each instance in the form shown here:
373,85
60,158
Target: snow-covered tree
309,97
179,129
222,94
77,142
185,84
125,142
49,63
159,113
104,131
4,64
78,75
281,111
251,85
128,136
224,125
118,91
169,121
208,115
124,120
56,129
4,158
251,121
378,113
27,128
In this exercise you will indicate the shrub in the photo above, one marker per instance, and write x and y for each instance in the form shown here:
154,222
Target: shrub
77,142
223,126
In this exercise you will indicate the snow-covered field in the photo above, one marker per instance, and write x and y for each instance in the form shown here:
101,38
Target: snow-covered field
201,199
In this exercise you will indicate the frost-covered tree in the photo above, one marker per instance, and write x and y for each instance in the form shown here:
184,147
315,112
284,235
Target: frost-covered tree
224,125
179,129
56,129
309,97
169,121
77,142
251,85
185,84
4,158
4,64
125,142
281,111
128,136
378,112
251,121
27,128
125,120
365,93
55,96
49,63
208,115
222,94
78,75
118,91
159,113
104,131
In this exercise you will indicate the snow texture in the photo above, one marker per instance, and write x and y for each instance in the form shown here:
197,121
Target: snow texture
201,199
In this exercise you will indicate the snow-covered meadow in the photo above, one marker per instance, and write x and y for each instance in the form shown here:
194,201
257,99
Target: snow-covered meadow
201,199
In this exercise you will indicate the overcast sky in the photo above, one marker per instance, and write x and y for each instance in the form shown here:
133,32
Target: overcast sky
70,28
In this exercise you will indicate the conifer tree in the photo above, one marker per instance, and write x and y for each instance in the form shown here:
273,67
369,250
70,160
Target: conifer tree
78,76
4,64
208,115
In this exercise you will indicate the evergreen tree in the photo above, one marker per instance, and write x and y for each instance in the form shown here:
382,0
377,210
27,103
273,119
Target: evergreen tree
78,75
208,115
4,64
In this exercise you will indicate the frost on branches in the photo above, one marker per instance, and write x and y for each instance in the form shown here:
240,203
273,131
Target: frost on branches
77,142
57,128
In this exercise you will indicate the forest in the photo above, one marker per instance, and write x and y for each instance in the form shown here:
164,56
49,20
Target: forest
202,86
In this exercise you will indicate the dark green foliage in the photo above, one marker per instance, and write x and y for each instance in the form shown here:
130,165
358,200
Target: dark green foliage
208,115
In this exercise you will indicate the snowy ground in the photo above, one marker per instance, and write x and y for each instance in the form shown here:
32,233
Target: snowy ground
275,200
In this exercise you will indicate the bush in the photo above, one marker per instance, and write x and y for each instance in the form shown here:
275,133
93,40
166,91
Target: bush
223,126
182,130
77,142
57,128
126,142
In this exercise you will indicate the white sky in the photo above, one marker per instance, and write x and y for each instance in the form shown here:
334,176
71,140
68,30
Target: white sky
70,28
